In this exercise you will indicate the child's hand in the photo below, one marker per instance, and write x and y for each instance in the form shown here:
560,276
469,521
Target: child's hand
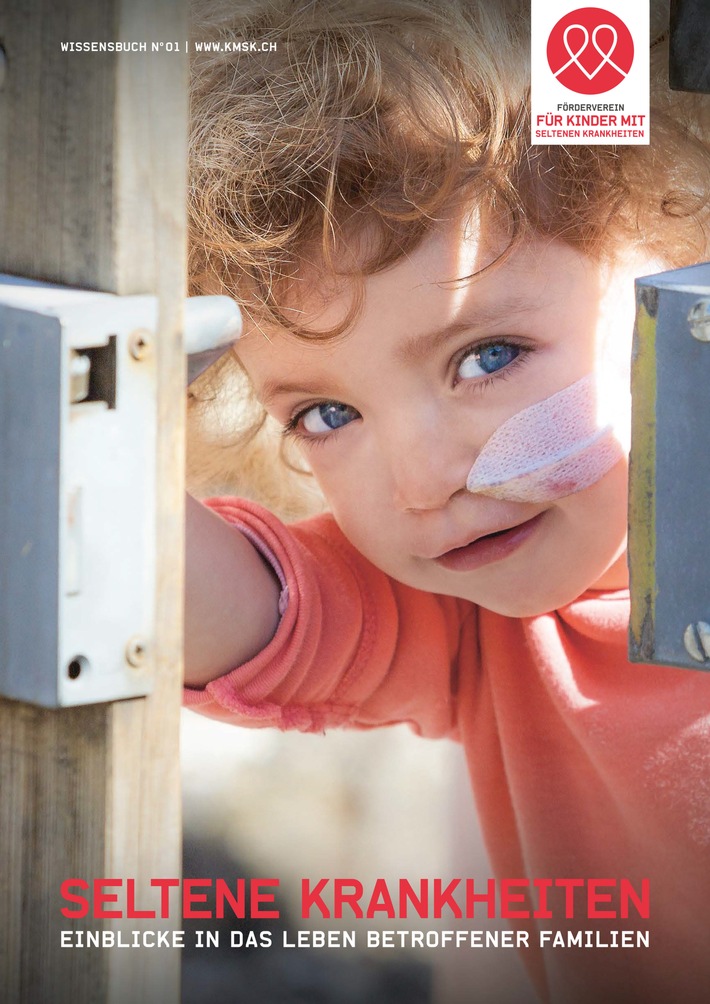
212,325
231,597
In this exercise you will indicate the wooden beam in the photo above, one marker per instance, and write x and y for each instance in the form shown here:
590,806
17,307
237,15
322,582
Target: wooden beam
92,194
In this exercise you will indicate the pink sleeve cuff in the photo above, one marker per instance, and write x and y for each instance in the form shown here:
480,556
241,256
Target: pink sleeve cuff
270,558
350,648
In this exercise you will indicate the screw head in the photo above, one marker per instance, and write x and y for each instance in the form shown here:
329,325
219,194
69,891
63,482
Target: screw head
699,320
140,343
696,639
136,651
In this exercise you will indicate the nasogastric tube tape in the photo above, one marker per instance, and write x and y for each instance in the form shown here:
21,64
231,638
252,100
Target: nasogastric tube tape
556,447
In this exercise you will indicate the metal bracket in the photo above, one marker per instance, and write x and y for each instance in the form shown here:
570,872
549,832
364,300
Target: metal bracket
78,422
669,531
77,456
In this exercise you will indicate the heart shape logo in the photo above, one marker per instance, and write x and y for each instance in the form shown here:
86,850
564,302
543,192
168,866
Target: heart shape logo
590,50
605,54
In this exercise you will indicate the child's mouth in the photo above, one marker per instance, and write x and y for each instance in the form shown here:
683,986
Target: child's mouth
489,548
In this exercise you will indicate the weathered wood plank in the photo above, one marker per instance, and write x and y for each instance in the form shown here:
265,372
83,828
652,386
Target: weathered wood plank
92,183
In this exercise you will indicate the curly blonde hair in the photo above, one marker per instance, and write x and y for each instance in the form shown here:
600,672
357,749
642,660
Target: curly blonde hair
376,118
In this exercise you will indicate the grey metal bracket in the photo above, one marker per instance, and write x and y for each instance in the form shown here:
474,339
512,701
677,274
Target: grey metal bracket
77,494
669,528
78,421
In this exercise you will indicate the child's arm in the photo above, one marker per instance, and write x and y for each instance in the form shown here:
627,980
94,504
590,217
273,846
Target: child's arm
353,647
231,597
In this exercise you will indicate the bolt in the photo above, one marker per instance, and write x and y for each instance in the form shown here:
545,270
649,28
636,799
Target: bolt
136,651
79,377
697,641
699,320
140,343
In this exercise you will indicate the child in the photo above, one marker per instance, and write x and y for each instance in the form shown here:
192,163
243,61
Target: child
434,311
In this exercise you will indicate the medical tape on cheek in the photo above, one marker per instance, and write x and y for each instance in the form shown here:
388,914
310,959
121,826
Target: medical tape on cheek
554,448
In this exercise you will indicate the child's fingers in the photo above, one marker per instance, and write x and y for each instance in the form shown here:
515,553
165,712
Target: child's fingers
212,325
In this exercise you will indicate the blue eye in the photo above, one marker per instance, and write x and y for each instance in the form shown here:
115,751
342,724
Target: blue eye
487,359
327,417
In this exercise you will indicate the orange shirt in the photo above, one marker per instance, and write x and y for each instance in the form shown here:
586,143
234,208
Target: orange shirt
583,765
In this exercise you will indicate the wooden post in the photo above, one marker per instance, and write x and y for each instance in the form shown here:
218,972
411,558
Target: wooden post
92,194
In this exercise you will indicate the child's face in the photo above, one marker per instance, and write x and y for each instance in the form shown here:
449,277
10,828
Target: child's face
392,415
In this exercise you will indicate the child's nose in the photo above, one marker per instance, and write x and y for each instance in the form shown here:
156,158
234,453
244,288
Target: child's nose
428,464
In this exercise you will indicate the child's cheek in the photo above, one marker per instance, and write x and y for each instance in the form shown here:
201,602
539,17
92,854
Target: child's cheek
556,447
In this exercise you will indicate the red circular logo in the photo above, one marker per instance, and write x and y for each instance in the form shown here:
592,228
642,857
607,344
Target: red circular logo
590,50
